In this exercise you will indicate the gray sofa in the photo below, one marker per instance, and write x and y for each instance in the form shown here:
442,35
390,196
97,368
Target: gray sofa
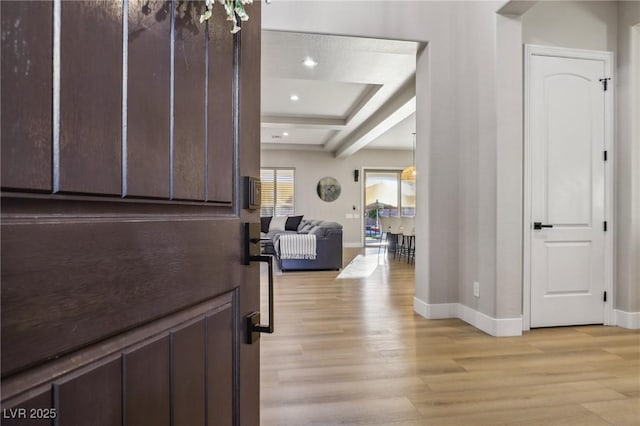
328,246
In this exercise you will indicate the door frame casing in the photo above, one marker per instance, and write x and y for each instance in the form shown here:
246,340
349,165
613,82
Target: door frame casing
531,50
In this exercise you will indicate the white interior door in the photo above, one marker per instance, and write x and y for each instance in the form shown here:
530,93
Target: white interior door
567,142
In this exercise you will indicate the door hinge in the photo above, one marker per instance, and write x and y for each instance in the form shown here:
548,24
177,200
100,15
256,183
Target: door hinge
605,296
605,155
604,226
605,83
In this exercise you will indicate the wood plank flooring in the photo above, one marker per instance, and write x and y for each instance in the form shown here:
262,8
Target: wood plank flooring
352,352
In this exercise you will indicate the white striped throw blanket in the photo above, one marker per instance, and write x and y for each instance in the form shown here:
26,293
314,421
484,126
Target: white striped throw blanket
297,246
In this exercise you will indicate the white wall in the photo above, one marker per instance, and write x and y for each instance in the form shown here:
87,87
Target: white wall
577,24
311,166
628,159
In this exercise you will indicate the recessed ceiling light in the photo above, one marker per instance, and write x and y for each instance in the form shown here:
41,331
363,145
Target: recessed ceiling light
294,97
309,63
285,133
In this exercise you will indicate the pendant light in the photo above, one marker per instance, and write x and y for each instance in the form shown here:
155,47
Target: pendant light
409,174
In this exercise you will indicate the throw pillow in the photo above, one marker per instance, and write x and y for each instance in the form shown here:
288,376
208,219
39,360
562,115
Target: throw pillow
277,223
292,223
264,223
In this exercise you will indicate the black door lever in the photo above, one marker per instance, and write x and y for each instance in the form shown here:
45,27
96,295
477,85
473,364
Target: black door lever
253,326
251,253
540,225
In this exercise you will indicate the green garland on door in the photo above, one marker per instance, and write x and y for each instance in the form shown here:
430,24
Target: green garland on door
233,8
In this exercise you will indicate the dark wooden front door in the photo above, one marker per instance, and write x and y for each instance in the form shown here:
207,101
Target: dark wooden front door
127,126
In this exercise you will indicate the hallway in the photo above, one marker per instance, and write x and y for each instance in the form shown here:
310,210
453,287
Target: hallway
351,351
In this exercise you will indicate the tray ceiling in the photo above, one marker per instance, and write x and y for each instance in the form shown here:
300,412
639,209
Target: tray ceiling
360,93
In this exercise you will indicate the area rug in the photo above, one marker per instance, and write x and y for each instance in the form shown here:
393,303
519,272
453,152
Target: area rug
360,267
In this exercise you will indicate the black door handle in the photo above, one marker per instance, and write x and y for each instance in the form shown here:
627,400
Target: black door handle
540,225
254,328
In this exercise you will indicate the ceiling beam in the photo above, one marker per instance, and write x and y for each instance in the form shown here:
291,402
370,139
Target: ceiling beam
282,121
516,7
396,109
290,147
362,101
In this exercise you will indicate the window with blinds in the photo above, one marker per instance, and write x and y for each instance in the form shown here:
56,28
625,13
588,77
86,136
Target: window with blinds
277,192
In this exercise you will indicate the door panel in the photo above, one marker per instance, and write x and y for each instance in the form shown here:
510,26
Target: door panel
91,398
189,374
147,384
220,367
91,97
220,131
567,172
149,99
189,93
26,91
568,151
40,401
568,267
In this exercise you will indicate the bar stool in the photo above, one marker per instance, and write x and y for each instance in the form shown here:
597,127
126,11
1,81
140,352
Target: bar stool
395,230
409,237
385,224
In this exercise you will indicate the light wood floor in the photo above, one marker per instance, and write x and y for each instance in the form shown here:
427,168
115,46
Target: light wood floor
353,352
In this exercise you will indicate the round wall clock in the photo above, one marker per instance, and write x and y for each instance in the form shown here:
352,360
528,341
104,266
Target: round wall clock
328,189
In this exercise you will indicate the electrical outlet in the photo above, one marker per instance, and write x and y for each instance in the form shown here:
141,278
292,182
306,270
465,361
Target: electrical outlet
476,289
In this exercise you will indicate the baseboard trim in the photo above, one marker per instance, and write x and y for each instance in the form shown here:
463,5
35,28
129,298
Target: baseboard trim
627,319
494,326
435,311
419,307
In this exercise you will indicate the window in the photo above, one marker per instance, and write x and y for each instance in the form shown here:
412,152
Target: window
277,192
408,198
